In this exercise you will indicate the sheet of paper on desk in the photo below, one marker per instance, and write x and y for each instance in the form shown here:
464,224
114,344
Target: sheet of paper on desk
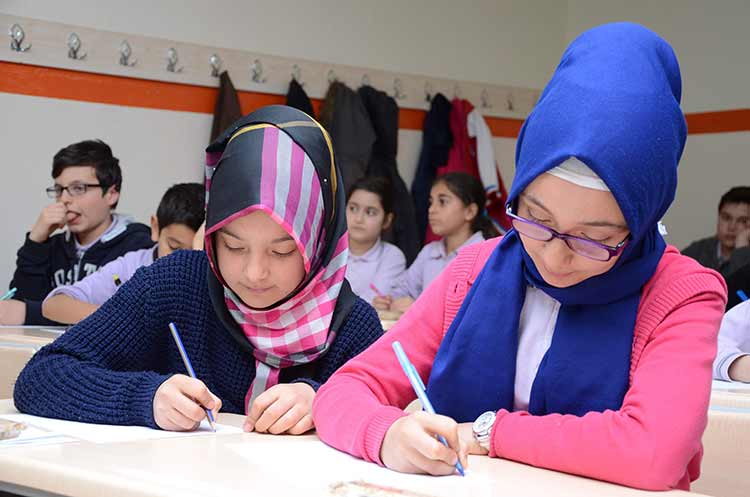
111,433
730,386
314,461
33,436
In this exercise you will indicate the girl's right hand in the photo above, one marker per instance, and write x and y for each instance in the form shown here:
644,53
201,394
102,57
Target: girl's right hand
411,446
180,403
382,303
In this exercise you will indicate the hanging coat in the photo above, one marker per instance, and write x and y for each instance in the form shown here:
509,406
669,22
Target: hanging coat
297,97
344,116
383,112
227,108
437,141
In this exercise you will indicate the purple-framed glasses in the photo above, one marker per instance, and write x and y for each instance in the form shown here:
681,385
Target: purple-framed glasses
581,246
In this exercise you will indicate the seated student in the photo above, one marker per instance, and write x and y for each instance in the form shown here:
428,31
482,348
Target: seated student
733,358
374,266
580,342
86,191
456,214
179,215
729,249
265,313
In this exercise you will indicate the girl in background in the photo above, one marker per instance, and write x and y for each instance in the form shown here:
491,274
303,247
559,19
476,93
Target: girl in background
457,215
374,266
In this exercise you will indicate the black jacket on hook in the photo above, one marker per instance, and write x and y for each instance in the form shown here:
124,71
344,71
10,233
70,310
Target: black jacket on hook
344,116
383,112
297,97
227,108
437,140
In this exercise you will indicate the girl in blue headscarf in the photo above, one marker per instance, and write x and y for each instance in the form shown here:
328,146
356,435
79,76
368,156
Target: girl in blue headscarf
580,342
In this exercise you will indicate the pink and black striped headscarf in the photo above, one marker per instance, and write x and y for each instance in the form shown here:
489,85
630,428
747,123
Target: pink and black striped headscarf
280,161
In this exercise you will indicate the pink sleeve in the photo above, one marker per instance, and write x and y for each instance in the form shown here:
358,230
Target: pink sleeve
654,439
360,402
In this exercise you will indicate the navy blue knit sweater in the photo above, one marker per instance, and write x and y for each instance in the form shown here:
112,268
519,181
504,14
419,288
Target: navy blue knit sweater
107,368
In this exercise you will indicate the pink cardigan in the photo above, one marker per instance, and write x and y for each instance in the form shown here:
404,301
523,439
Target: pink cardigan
652,442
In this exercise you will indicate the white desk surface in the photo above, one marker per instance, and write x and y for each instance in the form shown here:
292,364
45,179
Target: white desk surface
213,465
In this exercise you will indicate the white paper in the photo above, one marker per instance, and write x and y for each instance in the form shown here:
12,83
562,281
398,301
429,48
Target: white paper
112,433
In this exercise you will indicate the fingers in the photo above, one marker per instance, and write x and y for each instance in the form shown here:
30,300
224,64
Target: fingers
303,425
179,403
260,404
274,413
198,391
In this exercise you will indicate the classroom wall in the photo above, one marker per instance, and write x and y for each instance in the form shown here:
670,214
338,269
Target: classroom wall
711,42
157,148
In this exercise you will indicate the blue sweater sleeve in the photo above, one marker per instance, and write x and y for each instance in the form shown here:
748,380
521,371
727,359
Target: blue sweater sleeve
101,370
360,330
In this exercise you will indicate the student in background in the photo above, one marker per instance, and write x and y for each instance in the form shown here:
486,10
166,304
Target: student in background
456,214
580,342
179,215
87,187
374,266
729,249
733,357
265,313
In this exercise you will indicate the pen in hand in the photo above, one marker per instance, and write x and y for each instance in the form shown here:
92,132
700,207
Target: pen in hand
189,367
420,390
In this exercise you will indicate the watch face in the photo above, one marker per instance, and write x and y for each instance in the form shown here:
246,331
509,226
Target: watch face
484,422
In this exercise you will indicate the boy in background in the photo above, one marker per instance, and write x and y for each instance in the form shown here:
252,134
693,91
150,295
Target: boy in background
178,217
87,183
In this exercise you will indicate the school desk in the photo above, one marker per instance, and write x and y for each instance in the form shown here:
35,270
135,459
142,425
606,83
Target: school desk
730,394
17,345
251,464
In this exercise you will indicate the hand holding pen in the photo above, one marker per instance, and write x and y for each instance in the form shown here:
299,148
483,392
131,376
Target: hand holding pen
182,402
423,442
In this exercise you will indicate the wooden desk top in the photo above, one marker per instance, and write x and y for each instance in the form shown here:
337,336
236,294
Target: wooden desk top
213,465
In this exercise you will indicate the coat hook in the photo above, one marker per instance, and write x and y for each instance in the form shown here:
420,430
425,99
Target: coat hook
215,62
332,78
74,45
125,53
428,92
398,91
486,100
365,80
257,72
509,102
297,75
172,59
17,35
456,91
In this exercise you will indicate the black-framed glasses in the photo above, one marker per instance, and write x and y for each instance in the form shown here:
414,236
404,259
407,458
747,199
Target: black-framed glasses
581,246
73,189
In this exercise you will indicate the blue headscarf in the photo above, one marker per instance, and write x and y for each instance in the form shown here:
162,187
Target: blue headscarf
614,103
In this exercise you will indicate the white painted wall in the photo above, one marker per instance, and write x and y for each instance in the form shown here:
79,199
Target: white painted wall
711,40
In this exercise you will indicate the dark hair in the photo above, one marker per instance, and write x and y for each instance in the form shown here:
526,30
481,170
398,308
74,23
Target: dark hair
94,153
737,195
380,186
182,203
470,190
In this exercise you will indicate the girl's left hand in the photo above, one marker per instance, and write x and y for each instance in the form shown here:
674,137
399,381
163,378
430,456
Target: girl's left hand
466,434
283,408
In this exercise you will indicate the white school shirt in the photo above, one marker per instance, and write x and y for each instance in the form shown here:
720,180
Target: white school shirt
536,325
734,339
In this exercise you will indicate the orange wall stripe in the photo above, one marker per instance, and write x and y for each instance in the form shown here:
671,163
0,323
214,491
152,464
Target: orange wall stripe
66,84
725,121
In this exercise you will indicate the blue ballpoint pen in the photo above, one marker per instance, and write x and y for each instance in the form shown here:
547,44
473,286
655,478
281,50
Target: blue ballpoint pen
9,294
742,295
189,367
419,388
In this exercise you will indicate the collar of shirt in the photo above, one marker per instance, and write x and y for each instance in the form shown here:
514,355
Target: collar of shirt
370,255
438,248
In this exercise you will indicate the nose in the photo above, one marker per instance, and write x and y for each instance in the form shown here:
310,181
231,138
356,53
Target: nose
431,209
557,255
256,268
65,197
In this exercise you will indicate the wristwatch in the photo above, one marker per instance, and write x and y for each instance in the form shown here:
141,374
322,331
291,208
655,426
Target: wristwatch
482,428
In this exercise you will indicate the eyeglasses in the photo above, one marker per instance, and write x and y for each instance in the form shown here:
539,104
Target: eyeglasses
73,189
581,246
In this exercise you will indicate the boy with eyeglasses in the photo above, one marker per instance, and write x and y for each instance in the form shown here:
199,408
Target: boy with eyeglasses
86,191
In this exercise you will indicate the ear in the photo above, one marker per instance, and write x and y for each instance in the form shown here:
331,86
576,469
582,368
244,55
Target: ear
387,221
112,196
472,210
154,229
